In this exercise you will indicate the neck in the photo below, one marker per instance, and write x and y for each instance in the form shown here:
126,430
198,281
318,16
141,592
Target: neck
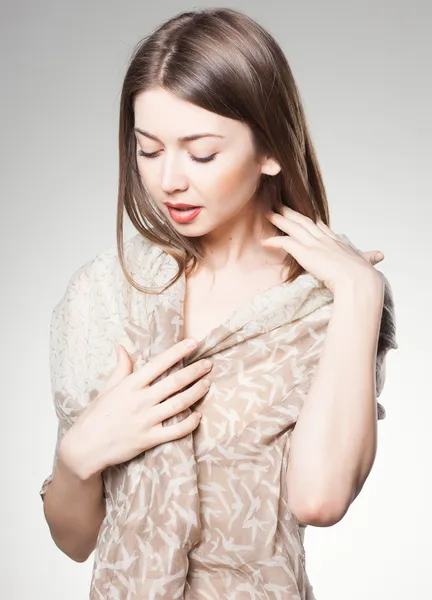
236,245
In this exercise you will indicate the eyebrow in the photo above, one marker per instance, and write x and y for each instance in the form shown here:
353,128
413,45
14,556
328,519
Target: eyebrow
186,138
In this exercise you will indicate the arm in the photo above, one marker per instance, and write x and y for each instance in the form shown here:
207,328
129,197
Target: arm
74,506
333,444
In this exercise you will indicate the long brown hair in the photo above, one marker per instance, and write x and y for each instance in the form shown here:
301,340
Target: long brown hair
223,61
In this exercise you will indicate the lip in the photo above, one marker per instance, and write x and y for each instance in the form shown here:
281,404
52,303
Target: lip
180,205
184,217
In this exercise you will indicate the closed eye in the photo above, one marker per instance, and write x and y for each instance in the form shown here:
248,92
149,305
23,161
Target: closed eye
205,159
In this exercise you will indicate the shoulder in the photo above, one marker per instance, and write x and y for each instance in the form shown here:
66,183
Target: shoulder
139,255
89,317
103,273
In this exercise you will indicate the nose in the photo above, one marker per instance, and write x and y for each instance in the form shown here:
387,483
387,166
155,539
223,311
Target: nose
173,178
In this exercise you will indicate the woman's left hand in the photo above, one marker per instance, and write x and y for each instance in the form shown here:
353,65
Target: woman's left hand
320,251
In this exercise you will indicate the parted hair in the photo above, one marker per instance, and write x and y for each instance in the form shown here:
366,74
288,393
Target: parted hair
225,62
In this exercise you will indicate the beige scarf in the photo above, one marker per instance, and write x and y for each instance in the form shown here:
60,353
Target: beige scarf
207,513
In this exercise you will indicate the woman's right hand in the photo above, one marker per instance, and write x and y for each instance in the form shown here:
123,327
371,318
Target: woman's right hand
126,418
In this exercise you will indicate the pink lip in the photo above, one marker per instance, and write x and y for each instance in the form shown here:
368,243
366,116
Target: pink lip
180,205
184,217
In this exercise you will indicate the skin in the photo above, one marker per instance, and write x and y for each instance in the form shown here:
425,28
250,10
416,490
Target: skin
334,442
230,224
126,418
333,445
123,421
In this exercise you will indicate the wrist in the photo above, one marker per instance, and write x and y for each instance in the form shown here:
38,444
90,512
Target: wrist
77,463
368,289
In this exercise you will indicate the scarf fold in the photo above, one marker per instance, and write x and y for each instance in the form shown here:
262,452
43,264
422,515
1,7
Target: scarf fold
155,520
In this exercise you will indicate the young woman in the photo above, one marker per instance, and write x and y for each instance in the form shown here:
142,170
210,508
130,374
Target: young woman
192,470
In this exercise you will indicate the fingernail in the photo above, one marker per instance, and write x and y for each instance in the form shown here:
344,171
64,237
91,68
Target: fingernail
191,343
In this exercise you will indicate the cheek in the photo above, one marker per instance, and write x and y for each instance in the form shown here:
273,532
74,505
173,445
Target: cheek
236,181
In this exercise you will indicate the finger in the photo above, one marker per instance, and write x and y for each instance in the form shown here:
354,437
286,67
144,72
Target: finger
175,382
303,220
285,242
159,364
373,256
293,228
321,225
178,430
181,401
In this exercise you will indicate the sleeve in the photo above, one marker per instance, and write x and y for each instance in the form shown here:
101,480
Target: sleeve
68,348
386,341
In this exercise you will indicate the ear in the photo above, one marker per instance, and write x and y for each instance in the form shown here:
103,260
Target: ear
270,167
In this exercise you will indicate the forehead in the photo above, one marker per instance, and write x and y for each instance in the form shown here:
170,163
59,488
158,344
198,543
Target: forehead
169,117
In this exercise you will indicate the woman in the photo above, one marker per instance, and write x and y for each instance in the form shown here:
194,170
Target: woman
188,489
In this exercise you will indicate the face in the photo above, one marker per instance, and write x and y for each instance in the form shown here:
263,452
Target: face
218,172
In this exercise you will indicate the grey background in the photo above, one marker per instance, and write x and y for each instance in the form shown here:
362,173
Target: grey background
363,69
